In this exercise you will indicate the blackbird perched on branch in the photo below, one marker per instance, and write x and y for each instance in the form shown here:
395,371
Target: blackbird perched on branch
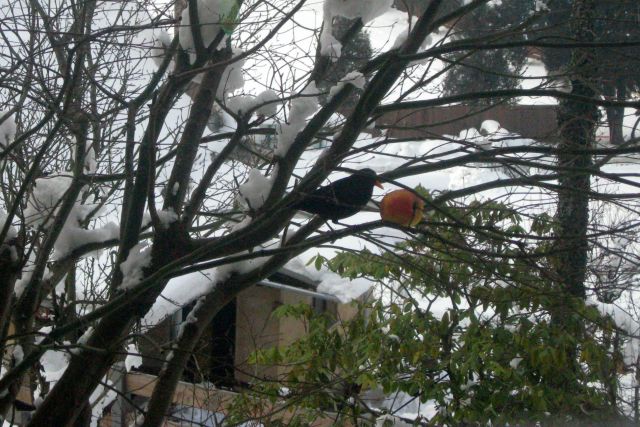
341,198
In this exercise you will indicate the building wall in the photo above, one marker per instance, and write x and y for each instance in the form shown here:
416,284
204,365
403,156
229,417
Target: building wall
256,328
531,121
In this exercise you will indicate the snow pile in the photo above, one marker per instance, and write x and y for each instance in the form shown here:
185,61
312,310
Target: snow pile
330,46
351,9
132,268
232,77
54,363
626,321
256,189
12,233
344,289
42,207
161,42
355,78
264,104
83,340
212,15
46,196
267,103
167,217
471,135
240,267
404,35
302,107
27,272
493,129
18,354
541,5
179,292
463,177
73,236
133,359
90,162
7,129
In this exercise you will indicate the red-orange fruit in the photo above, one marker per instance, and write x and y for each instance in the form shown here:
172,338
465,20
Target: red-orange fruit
402,207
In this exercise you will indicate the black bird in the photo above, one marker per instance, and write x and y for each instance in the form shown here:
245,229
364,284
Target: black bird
341,198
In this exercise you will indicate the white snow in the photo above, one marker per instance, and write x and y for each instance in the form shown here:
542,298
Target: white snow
355,78
90,163
264,104
366,10
101,397
492,128
329,45
27,272
43,204
132,268
11,233
625,320
267,102
179,292
515,362
211,14
161,41
133,359
54,362
330,283
302,107
7,129
73,237
18,353
85,336
232,78
256,189
239,267
167,217
45,198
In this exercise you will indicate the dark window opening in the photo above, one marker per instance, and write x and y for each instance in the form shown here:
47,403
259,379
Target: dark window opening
326,307
214,357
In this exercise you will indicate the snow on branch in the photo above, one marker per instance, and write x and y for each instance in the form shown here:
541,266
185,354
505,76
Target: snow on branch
350,9
42,207
212,17
301,108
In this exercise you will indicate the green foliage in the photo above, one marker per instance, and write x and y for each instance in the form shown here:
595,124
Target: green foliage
464,324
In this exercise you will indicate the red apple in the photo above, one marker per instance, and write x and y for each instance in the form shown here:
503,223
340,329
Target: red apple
402,207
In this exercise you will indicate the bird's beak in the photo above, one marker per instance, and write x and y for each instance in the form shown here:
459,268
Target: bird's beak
378,184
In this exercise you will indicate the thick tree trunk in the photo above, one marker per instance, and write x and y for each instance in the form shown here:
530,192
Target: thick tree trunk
9,268
615,115
614,119
577,122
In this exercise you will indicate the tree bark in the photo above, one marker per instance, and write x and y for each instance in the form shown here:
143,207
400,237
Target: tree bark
615,115
577,123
